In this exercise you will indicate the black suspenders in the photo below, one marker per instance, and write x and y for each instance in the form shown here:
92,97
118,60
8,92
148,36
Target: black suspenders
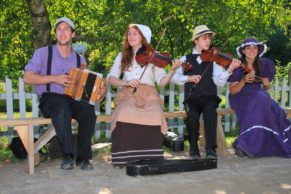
49,64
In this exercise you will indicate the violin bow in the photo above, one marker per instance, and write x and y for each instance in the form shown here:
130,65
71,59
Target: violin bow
134,90
186,7
191,90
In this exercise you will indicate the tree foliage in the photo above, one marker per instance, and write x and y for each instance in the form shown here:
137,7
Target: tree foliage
101,24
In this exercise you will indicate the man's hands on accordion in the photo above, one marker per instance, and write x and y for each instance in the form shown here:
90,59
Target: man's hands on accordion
64,80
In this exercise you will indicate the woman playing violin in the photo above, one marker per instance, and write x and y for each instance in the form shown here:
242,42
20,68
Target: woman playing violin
264,129
201,91
138,124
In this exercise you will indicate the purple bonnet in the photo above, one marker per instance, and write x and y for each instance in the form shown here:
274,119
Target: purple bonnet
252,41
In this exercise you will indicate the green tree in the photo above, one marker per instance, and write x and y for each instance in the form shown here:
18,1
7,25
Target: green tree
101,24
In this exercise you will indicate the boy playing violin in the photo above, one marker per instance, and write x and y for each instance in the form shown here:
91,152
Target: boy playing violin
200,86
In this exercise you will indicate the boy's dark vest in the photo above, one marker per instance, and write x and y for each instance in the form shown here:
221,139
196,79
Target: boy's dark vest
205,86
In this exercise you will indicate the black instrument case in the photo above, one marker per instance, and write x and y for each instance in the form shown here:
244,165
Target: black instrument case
152,167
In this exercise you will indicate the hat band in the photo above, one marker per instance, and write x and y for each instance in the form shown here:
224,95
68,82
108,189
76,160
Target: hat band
252,44
203,32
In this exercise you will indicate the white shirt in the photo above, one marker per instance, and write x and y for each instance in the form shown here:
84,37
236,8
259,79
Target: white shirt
219,74
152,74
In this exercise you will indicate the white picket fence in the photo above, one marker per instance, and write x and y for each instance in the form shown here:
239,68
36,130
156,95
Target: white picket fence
173,97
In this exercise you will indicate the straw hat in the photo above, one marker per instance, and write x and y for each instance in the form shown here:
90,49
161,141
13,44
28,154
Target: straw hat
200,30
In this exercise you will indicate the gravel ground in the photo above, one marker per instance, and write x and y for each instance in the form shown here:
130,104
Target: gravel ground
233,175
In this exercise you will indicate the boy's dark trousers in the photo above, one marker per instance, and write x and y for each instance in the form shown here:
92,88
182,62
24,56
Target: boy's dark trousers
206,105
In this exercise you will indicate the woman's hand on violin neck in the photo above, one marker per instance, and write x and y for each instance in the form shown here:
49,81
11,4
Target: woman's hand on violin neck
176,63
194,78
235,63
265,82
132,83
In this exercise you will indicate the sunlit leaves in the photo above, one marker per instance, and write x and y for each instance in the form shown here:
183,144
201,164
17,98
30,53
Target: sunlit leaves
102,24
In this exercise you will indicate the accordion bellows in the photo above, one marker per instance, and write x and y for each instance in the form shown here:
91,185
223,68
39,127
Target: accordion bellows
88,86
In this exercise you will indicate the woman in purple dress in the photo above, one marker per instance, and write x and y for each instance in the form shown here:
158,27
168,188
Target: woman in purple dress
264,128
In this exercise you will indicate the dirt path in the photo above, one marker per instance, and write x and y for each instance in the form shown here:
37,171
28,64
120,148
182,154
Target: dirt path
233,175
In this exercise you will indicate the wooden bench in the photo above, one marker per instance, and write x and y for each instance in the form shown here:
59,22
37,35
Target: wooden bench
24,128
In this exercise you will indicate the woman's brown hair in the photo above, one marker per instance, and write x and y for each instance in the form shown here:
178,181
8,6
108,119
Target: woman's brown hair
127,52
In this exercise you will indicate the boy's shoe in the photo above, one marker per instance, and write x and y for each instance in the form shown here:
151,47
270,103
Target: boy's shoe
195,156
194,152
84,164
67,164
211,154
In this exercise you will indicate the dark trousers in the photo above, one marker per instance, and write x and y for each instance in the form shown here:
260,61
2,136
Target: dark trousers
206,105
61,109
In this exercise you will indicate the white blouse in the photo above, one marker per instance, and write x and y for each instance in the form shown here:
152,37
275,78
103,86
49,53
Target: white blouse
152,74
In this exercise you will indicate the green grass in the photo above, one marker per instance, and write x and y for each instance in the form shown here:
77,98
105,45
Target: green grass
102,151
230,140
6,154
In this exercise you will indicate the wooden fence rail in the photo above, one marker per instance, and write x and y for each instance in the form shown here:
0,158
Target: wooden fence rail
173,97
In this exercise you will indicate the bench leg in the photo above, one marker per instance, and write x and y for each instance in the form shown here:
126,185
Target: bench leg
46,137
221,142
26,135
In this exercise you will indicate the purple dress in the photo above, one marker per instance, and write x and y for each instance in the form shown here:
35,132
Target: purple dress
264,128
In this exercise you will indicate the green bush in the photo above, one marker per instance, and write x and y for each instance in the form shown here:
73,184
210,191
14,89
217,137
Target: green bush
6,154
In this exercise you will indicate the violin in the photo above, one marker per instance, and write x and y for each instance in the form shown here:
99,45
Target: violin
146,55
223,59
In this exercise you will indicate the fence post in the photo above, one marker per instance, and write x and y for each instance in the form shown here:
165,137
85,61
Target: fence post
108,110
283,93
97,124
21,98
34,104
9,105
276,90
171,105
181,107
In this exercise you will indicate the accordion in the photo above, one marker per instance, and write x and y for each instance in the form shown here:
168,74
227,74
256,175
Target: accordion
87,86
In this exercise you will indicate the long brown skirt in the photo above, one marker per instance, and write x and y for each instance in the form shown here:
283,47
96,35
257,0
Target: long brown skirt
138,125
132,142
